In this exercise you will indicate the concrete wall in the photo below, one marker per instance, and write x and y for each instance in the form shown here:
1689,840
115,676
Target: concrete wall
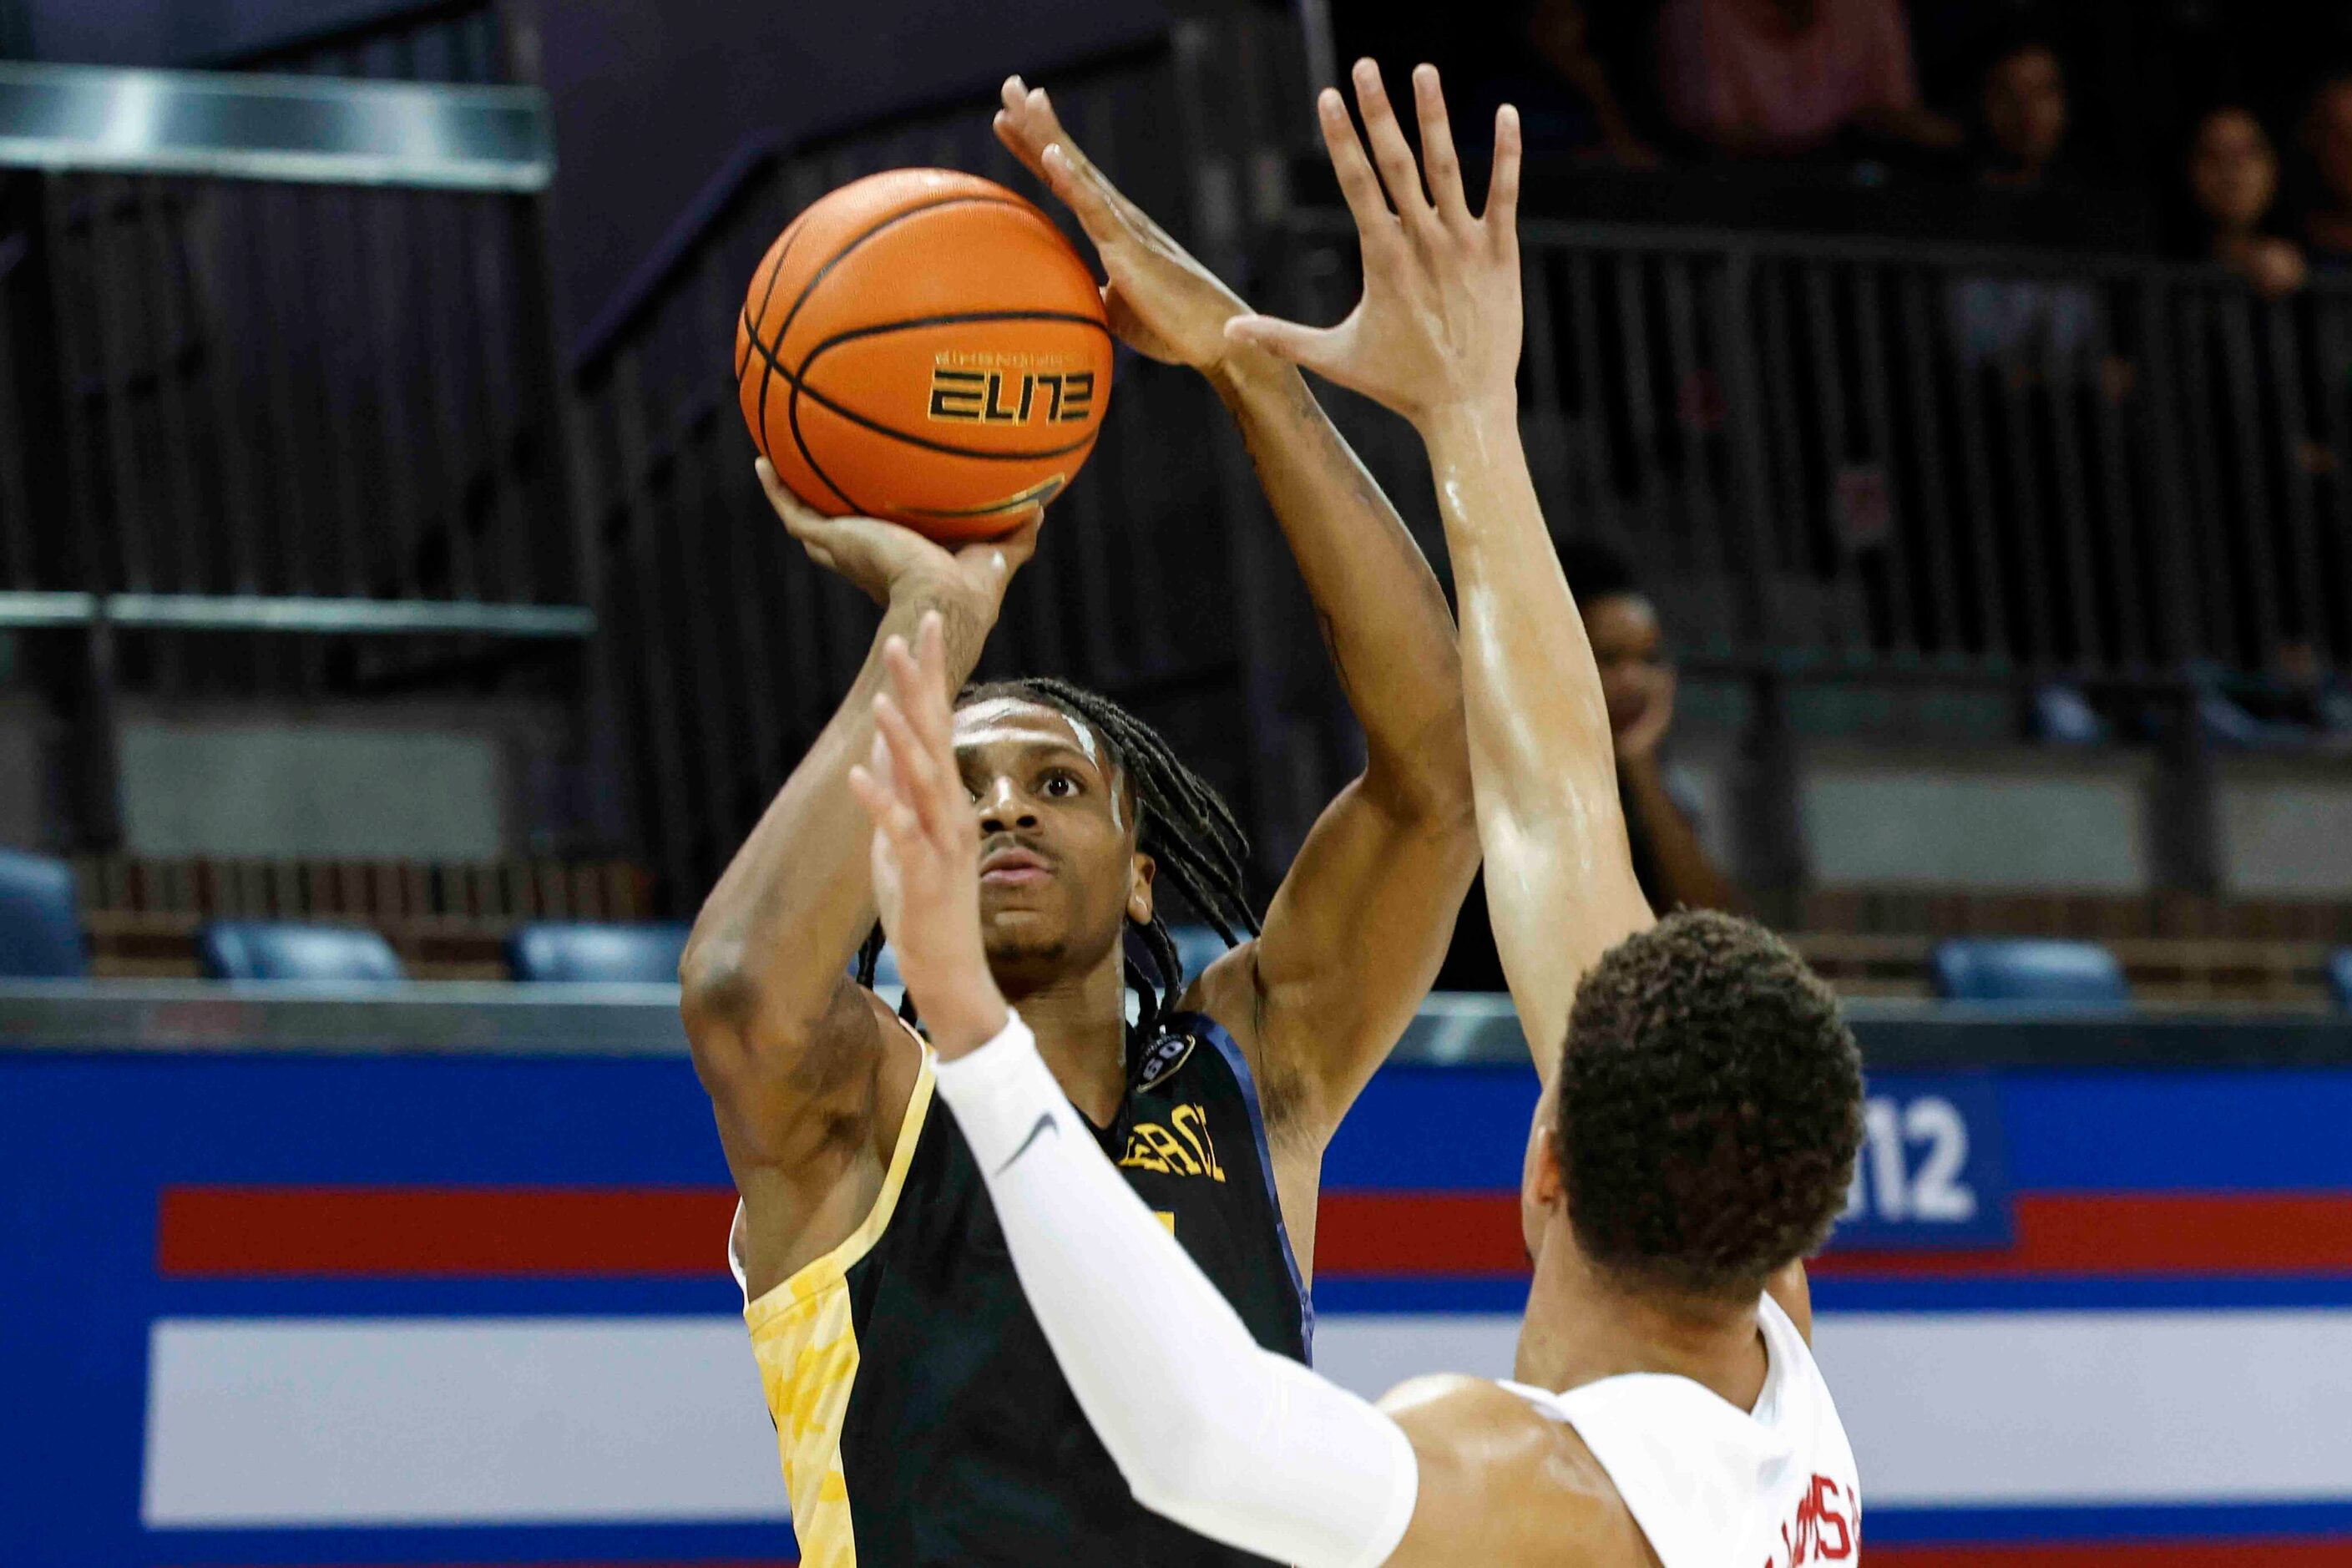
2286,827
2006,818
439,782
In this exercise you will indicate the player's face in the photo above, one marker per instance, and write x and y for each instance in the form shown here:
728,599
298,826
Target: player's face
1628,645
1058,872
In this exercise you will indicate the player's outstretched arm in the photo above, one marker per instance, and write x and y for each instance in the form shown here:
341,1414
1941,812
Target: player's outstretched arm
1354,936
789,1048
1436,338
1209,1429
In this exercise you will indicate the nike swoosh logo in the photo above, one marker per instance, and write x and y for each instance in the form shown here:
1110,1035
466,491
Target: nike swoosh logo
1046,1124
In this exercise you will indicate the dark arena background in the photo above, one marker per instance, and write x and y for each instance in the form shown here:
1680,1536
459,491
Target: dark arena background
380,551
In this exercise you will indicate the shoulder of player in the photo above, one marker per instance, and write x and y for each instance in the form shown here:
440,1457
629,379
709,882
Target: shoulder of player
1504,1482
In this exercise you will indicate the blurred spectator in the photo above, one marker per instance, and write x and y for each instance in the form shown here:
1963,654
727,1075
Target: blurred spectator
2233,182
1662,810
1777,78
2025,112
1563,40
2327,137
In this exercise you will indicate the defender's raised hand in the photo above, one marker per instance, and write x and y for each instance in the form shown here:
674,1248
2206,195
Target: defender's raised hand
1162,303
1439,325
926,847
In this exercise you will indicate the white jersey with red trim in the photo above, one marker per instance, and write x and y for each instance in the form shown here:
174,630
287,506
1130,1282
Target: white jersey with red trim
1714,1486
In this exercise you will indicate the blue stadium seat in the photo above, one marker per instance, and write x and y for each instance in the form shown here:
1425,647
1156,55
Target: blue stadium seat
2062,716
271,949
40,921
557,950
2339,977
2071,974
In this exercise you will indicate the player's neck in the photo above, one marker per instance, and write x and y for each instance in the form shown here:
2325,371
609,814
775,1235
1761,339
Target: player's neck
1582,1326
1080,1022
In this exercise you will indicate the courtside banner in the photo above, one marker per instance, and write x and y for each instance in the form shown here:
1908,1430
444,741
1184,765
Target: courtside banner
370,1311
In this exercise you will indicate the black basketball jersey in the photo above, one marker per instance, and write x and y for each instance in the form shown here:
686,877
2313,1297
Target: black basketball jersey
922,1419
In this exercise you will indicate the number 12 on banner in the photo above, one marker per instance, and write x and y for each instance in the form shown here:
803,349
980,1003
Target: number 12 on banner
1931,1172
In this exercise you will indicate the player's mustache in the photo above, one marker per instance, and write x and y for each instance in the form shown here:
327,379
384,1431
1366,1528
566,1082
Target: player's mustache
1009,839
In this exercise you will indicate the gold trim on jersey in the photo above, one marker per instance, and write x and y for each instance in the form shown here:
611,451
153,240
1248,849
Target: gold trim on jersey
806,1343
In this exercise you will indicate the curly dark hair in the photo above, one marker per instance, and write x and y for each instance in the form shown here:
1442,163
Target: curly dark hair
1181,822
1710,1108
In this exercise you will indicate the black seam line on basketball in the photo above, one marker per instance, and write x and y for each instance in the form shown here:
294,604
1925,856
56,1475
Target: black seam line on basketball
752,319
1046,1124
822,401
822,273
1042,491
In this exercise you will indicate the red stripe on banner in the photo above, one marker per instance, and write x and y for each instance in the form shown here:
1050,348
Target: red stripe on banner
1457,1234
444,1232
788,1563
2116,1234
619,1233
2122,1554
1476,1235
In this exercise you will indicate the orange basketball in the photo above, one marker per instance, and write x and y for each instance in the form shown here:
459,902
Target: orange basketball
924,346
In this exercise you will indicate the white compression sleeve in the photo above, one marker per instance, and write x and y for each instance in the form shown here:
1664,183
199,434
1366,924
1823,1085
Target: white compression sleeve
1226,1438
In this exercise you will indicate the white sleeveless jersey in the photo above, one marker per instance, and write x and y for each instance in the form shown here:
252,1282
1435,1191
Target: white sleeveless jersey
1714,1486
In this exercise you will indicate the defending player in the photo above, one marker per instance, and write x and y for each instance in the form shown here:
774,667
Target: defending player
1701,1107
920,1416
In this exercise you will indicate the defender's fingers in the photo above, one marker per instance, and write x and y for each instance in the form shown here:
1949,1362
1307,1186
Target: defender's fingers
1097,213
1438,157
911,761
1358,184
1390,150
915,689
1502,214
937,711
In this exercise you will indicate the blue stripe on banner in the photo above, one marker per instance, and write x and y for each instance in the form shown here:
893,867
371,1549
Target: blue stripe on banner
1889,1526
2276,1130
1334,1298
1435,1130
730,1543
2084,1295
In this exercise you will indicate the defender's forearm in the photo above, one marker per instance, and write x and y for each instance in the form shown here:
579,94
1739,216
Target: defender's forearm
1560,880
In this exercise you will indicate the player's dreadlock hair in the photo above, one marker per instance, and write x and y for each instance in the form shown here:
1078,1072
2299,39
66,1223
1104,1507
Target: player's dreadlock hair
1180,822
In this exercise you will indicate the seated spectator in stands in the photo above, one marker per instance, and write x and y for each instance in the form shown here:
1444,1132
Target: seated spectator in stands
1781,78
1662,811
2232,183
1563,40
2327,137
2031,329
2025,112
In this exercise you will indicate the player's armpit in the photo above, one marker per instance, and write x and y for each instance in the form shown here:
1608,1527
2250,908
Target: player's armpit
1503,1484
1351,943
807,1130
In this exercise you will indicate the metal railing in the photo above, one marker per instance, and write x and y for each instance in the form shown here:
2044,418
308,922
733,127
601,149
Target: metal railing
277,370
1930,457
